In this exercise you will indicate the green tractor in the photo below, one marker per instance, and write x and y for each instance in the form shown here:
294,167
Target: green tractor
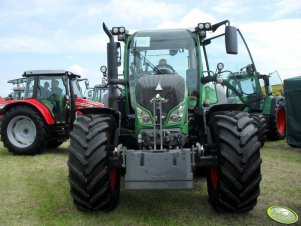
262,94
99,93
274,105
168,115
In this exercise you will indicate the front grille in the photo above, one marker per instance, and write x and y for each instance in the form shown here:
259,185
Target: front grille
173,89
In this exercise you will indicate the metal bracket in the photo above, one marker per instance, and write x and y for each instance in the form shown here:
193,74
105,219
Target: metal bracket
120,152
157,104
197,150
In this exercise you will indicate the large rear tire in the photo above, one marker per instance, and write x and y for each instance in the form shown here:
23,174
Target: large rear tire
94,184
277,121
23,131
234,184
262,126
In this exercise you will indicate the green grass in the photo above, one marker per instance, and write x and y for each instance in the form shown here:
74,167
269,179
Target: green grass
34,191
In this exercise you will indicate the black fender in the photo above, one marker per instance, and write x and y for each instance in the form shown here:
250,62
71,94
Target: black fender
226,107
204,119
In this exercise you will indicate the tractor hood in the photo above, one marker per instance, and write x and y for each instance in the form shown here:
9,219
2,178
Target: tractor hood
84,103
169,86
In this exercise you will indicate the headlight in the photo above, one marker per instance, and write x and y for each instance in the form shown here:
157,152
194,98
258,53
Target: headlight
115,30
176,115
121,30
103,69
143,117
2,106
201,26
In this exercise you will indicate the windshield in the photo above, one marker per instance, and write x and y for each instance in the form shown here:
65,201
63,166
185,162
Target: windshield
153,53
238,69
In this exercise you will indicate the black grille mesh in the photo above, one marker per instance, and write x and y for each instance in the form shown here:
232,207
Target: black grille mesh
173,89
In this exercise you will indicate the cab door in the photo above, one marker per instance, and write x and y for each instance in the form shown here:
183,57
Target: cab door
52,92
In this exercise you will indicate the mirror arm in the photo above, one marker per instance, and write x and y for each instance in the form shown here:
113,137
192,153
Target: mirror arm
214,27
243,39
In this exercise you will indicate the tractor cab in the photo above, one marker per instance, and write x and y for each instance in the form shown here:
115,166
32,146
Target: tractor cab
53,89
158,72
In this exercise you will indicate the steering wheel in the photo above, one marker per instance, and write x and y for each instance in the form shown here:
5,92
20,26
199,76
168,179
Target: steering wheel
164,69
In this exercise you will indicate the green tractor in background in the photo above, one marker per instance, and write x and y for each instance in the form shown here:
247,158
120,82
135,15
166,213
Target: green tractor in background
262,94
168,115
274,105
99,93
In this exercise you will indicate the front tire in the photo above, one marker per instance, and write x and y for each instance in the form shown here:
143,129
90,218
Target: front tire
94,184
23,131
234,184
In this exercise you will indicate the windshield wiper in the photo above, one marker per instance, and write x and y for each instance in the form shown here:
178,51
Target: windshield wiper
135,51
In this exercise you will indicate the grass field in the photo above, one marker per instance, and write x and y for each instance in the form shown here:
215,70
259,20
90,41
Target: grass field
34,191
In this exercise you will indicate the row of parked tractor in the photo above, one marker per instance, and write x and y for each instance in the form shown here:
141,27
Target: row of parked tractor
187,101
268,110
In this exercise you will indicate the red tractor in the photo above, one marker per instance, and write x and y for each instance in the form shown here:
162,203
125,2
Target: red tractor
44,118
2,102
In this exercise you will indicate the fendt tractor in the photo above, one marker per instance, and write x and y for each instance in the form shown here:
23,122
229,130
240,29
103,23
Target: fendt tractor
44,118
167,118
274,105
262,94
99,93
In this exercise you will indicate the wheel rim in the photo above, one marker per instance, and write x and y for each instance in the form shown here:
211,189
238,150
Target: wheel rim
213,175
281,120
113,178
21,131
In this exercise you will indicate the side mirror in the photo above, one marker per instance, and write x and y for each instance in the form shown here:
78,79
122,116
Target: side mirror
231,40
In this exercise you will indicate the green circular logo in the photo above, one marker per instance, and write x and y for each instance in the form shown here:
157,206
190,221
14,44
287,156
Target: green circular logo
282,214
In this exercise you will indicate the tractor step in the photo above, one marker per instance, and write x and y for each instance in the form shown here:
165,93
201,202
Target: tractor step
149,170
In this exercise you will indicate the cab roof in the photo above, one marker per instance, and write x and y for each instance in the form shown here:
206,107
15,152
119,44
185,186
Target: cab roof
50,73
17,81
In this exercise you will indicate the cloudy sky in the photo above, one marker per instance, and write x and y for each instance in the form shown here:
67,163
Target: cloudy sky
67,34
